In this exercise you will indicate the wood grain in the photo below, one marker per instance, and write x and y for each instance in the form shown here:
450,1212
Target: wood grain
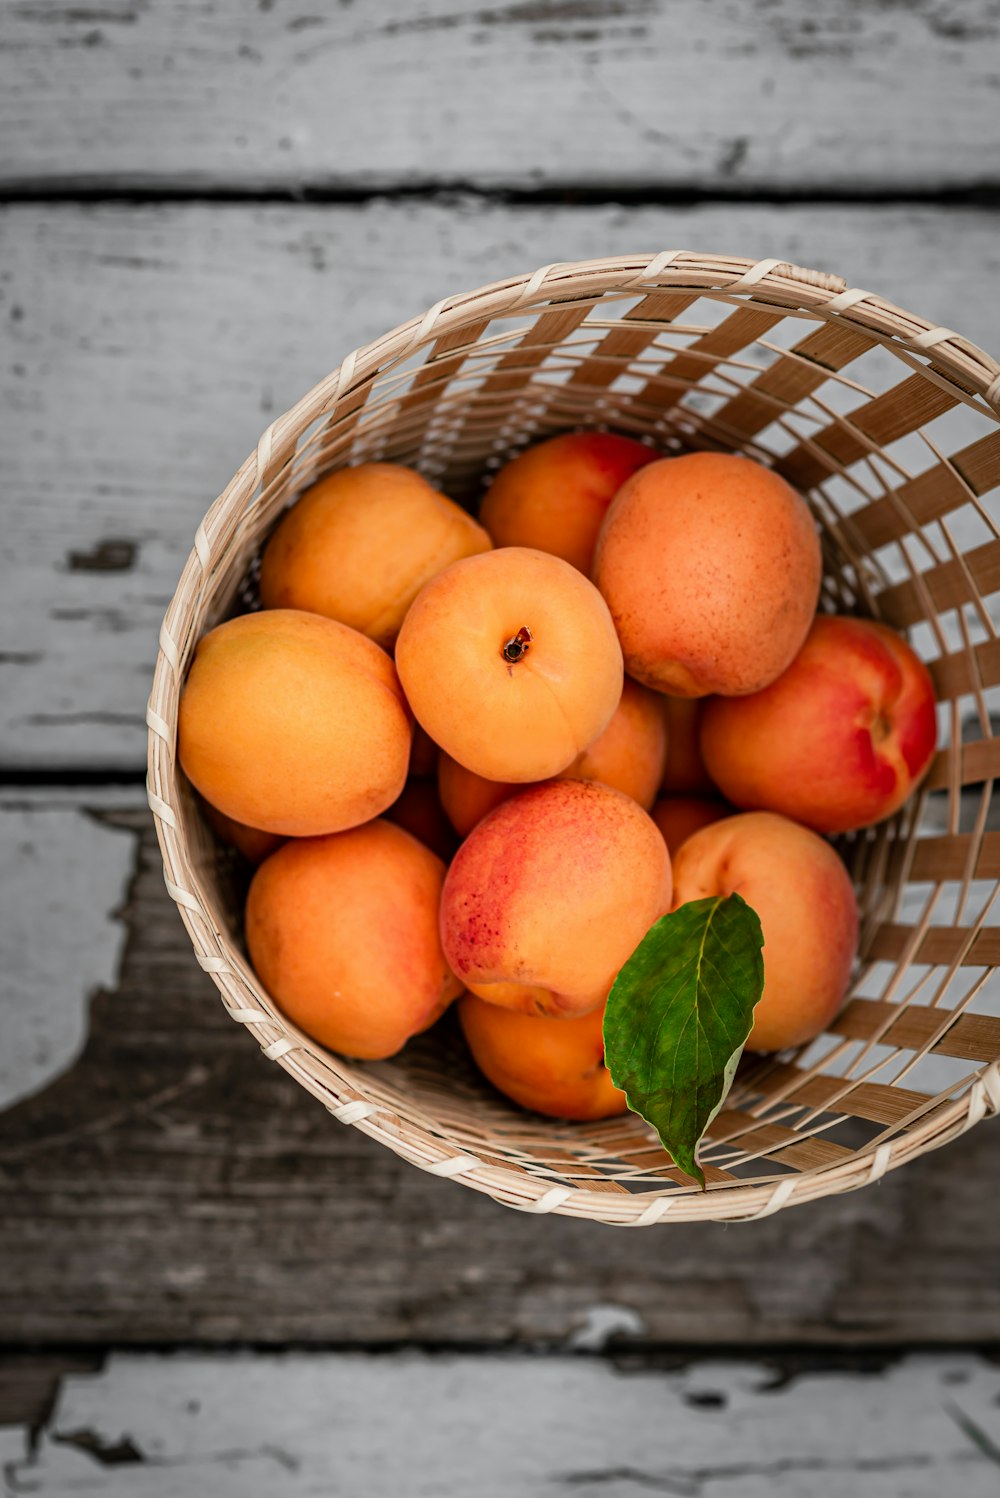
301,1425
612,94
176,1187
144,350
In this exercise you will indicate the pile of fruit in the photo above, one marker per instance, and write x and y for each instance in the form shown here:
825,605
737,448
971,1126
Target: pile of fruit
491,759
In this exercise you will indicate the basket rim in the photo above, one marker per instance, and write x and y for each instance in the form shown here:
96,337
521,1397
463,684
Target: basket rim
775,283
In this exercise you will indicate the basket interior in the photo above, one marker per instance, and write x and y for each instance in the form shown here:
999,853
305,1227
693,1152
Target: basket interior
893,444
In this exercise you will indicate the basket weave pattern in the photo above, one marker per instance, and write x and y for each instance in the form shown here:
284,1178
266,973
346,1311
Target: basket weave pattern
890,427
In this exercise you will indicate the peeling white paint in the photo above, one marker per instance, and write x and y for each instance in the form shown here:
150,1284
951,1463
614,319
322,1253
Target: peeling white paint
601,1323
315,1426
63,877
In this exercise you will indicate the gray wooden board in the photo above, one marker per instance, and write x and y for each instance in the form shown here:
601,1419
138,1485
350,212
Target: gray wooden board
144,349
302,1426
610,93
174,1186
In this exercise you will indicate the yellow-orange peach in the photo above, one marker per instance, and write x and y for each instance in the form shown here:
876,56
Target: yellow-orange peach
628,755
511,663
678,817
710,564
360,544
343,933
839,740
550,894
554,496
685,773
251,842
808,914
420,812
294,724
554,1066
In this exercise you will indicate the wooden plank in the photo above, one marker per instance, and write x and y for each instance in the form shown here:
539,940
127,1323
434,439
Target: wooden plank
611,93
288,1426
145,349
174,1186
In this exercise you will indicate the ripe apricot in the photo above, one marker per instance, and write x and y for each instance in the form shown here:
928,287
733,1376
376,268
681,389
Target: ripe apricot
343,933
842,737
808,914
554,1066
555,496
711,568
360,544
511,663
550,894
293,723
418,809
679,816
628,755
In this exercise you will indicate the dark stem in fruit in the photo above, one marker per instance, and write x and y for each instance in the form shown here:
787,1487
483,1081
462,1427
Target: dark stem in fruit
518,645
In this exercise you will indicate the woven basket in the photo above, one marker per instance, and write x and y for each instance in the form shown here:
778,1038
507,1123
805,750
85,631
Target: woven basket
891,428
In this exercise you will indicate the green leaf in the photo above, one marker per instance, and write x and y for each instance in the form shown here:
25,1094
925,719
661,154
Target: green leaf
679,1014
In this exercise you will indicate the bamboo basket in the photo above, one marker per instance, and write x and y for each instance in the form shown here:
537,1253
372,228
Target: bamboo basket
890,427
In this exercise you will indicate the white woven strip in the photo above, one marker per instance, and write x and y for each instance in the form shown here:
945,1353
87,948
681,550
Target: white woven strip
658,265
778,1198
657,1209
984,1096
455,1165
549,1201
247,1016
160,809
993,393
279,1048
202,547
845,299
933,337
159,725
182,896
169,648
535,283
353,1112
213,964
428,320
880,1163
264,446
755,274
346,374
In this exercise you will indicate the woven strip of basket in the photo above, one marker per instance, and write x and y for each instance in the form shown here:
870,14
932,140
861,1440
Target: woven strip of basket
890,426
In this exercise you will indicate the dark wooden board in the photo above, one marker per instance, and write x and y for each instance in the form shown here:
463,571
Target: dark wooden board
176,1187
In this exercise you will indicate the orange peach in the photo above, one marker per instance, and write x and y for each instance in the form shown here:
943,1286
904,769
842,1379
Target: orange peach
679,816
685,774
628,755
511,663
550,894
420,812
343,933
839,740
554,1066
710,564
808,914
293,723
360,544
555,496
251,842
467,797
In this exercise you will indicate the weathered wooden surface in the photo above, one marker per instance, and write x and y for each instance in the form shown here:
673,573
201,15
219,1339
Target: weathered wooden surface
144,349
307,1425
609,93
175,1187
